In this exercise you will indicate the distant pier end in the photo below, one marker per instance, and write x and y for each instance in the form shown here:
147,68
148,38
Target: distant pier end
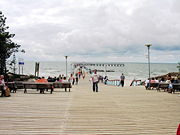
83,64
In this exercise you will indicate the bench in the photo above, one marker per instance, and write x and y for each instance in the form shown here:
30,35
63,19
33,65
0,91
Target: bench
163,86
152,86
19,84
64,85
176,87
12,86
38,86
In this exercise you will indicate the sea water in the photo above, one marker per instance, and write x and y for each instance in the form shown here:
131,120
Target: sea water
130,70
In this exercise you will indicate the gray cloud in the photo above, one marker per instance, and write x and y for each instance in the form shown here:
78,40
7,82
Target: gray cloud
99,30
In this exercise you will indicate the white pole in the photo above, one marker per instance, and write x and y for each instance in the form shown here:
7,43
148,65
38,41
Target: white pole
66,66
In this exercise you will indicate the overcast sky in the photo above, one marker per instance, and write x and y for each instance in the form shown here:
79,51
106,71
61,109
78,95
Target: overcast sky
95,30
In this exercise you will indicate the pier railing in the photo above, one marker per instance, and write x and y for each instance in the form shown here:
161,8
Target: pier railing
115,82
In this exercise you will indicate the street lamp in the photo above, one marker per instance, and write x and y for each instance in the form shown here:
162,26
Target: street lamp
148,46
105,70
66,66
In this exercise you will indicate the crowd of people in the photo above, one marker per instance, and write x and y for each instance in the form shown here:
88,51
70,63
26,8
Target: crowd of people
79,72
95,78
167,79
73,78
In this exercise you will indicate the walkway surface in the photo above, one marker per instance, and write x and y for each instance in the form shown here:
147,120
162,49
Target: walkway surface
113,110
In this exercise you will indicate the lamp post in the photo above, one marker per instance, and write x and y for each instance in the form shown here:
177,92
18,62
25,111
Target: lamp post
105,70
148,46
178,66
66,66
14,63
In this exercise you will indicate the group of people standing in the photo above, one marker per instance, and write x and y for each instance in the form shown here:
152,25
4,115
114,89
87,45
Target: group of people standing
78,73
73,79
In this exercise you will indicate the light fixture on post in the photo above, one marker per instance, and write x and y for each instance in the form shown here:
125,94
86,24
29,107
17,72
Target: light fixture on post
66,66
149,67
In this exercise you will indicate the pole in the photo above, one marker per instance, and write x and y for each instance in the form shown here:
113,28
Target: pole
14,60
105,70
178,66
19,69
37,69
66,66
22,69
148,46
149,63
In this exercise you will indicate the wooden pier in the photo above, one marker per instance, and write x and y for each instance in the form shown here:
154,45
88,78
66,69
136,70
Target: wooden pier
112,111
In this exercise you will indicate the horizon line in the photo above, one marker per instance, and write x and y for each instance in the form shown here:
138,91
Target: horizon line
104,62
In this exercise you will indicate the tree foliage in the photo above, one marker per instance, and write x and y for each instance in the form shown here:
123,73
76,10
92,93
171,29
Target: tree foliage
7,46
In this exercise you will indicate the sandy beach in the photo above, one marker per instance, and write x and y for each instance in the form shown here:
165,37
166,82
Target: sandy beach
113,110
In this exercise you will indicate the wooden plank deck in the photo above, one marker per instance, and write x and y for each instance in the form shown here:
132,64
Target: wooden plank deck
113,110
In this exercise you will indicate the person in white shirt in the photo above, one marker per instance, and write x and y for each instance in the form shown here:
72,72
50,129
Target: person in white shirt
72,79
156,81
147,83
95,80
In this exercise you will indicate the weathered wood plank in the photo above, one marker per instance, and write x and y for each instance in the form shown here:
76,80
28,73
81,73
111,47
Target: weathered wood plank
113,110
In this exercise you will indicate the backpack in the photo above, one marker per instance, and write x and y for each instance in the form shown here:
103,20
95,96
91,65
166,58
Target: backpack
7,92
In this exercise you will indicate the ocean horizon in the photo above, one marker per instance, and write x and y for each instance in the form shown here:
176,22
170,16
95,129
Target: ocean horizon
132,70
69,61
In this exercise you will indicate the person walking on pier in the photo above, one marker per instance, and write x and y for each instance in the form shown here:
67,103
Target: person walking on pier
122,80
76,78
95,80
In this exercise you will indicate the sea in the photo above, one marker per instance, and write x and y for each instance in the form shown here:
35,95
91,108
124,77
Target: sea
131,71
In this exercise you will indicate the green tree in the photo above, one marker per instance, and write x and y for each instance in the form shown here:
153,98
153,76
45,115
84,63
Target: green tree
7,46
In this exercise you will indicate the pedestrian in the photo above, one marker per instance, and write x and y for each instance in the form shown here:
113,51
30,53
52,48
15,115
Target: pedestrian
105,80
3,86
76,78
122,80
71,79
95,80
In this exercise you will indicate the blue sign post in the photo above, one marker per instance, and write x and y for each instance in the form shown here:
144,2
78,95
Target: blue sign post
21,64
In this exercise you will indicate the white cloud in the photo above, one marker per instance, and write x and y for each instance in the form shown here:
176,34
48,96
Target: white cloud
99,30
